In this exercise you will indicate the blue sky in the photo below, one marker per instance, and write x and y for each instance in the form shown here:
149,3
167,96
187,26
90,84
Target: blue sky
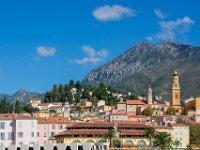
43,42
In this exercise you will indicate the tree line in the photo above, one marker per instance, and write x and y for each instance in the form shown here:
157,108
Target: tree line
74,92
17,107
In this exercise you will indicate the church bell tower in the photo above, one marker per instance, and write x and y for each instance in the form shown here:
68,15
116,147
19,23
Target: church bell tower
176,98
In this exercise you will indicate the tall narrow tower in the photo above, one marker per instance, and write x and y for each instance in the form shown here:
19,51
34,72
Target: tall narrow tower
150,99
176,98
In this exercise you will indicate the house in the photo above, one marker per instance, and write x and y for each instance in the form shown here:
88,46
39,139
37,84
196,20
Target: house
50,126
57,109
165,120
130,134
178,132
18,130
34,101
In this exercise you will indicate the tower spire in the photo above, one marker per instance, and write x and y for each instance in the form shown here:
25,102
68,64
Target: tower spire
150,97
175,90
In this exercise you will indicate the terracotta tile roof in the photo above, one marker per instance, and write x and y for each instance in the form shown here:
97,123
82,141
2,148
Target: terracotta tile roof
107,125
56,107
96,125
53,120
99,132
83,132
17,116
135,102
133,132
43,104
178,125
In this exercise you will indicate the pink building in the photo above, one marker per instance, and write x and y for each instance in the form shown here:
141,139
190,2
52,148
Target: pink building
48,127
18,129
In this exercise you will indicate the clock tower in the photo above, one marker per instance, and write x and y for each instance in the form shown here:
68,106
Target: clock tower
176,98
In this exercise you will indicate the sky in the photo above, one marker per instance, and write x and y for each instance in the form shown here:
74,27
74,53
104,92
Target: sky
46,42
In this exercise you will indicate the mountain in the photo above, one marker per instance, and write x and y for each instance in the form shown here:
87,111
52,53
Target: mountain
22,95
145,64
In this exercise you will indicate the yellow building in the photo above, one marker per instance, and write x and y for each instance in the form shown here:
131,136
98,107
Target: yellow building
130,134
192,106
176,98
34,101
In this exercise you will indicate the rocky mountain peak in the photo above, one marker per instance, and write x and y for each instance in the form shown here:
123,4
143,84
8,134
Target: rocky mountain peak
148,64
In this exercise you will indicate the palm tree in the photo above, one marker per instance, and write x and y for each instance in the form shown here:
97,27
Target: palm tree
176,143
150,134
189,147
163,140
110,136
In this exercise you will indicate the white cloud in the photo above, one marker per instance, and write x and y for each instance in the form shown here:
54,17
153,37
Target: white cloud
92,56
171,29
112,13
159,14
44,51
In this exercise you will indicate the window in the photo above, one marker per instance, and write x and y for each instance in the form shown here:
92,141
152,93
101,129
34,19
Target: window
20,134
52,134
60,127
45,135
38,134
2,125
32,124
20,124
10,136
2,136
53,127
32,134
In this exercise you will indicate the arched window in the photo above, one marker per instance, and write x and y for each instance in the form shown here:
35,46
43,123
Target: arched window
141,143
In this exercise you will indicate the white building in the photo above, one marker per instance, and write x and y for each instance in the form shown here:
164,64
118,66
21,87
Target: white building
181,133
18,130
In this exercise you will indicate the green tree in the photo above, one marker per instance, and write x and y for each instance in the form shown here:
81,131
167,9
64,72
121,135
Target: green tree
171,111
71,84
60,89
85,94
148,111
176,143
150,134
110,136
78,86
195,134
189,147
11,108
29,109
133,97
55,88
101,92
18,107
163,140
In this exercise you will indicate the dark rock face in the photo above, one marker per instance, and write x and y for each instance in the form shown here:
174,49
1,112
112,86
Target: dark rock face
145,64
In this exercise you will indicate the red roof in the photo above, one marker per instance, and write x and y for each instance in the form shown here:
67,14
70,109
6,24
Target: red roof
17,116
135,102
56,107
83,132
133,132
53,120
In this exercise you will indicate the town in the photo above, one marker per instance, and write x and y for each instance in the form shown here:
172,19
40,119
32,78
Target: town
93,123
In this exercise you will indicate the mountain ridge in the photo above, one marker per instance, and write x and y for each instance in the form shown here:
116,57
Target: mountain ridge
22,95
141,61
